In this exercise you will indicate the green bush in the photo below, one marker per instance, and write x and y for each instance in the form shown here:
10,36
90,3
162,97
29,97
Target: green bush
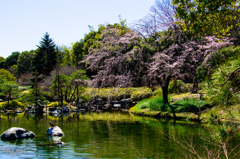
152,104
119,93
188,105
157,92
141,93
56,104
106,93
7,75
27,97
179,85
12,104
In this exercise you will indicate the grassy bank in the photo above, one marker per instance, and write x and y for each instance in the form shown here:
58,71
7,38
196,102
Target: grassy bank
186,107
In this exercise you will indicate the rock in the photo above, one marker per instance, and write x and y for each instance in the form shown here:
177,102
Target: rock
17,133
126,103
55,131
57,111
18,111
65,109
117,105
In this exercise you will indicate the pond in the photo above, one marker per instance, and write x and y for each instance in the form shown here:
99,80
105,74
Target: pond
97,135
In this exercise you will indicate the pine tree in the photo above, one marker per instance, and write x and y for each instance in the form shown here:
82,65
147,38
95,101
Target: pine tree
45,59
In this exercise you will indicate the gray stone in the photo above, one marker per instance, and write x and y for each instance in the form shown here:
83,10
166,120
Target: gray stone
117,105
65,109
55,131
17,133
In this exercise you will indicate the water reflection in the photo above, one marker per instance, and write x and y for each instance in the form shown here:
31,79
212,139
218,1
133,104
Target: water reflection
97,135
18,141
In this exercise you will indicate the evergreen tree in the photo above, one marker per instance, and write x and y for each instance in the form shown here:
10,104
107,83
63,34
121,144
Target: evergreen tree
45,59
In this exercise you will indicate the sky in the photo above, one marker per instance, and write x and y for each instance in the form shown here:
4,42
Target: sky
24,22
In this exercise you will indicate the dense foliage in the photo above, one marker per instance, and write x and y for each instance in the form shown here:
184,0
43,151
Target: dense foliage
218,17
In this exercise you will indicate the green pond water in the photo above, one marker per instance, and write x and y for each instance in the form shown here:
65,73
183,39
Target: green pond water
103,135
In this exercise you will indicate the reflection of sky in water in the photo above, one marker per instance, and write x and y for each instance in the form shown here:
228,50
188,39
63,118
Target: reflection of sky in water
121,135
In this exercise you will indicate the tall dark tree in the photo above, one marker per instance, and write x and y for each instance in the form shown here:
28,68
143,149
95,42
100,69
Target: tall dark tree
12,59
45,59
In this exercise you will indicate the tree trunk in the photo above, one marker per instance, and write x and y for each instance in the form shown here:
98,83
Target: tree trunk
165,91
165,95
195,85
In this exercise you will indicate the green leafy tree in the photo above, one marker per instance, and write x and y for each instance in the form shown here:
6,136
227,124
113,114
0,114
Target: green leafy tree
45,59
2,80
24,62
77,79
90,38
67,56
77,52
2,61
29,98
13,70
69,87
209,17
12,59
60,86
7,75
9,89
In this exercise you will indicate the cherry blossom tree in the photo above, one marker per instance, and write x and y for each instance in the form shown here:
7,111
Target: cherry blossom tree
118,59
196,53
159,30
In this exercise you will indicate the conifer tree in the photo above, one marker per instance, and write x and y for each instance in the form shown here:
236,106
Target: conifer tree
45,59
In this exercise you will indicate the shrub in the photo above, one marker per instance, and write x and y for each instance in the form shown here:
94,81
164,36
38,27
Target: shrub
179,86
56,104
12,104
141,93
119,93
7,75
157,92
152,104
188,105
27,97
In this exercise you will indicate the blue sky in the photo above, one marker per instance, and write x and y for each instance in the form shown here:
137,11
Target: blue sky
24,22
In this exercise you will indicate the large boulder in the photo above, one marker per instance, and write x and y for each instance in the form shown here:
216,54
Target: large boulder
55,131
17,133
